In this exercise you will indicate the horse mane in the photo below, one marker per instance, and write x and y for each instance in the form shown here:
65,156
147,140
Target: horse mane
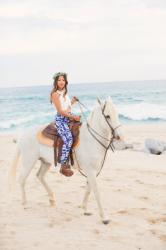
97,106
91,115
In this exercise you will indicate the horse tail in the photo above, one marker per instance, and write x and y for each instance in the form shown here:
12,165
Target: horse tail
12,170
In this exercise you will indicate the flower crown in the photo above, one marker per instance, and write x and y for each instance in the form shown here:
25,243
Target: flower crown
59,74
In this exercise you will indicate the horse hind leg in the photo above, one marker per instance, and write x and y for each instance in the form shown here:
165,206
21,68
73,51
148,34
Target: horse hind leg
41,174
24,173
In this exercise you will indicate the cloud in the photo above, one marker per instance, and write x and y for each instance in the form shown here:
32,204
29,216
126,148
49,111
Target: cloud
107,34
155,3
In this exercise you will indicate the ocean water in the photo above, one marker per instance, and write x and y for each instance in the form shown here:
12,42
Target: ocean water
136,102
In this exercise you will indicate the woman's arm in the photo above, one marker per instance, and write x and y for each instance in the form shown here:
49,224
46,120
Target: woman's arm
56,102
74,100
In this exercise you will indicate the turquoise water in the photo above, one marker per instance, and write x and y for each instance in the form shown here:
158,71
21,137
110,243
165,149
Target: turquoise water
136,102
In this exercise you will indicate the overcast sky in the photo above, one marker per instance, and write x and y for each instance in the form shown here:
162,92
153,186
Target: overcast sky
92,40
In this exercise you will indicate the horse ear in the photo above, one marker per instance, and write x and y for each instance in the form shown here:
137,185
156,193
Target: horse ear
109,99
99,101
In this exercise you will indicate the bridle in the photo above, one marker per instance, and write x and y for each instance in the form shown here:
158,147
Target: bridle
94,133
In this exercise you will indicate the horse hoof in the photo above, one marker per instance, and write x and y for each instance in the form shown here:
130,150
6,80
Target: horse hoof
105,222
52,203
87,214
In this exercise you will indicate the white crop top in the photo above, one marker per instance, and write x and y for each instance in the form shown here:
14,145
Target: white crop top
65,101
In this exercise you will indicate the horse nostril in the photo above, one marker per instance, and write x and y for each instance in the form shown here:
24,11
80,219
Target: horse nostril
118,137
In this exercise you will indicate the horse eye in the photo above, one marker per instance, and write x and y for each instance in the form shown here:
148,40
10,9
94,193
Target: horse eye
107,116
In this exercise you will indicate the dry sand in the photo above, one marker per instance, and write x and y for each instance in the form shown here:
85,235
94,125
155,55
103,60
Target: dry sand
133,191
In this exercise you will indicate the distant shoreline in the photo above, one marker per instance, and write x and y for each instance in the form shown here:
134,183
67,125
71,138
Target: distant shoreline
86,83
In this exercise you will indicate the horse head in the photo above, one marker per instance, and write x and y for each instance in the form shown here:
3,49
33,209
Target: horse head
110,118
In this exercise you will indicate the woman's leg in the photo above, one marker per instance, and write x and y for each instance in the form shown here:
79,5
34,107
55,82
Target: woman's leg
65,134
67,138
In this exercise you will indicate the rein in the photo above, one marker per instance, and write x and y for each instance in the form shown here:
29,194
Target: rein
93,132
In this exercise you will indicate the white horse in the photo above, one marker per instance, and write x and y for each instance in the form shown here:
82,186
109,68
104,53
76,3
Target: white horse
96,133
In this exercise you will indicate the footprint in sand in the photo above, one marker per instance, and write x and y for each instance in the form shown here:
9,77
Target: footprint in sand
158,234
107,179
123,212
37,244
118,190
144,198
68,219
96,231
51,224
12,232
26,207
157,220
153,232
162,237
138,181
67,202
143,208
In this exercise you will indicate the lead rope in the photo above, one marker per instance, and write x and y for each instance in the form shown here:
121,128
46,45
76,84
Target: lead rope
79,168
106,148
80,106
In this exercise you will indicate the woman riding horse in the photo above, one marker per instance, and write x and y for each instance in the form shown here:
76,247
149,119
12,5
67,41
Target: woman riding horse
62,103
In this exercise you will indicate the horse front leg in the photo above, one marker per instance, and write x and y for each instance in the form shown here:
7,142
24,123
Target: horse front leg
85,200
23,193
41,174
93,184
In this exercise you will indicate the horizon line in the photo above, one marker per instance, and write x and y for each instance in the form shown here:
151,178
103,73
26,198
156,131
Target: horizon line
81,83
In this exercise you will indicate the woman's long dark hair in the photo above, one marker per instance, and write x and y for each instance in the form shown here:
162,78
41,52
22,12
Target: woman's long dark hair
55,84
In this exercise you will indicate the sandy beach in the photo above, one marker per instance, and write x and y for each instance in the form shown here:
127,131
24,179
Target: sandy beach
132,185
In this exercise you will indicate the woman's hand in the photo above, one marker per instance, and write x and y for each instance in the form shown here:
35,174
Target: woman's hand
68,110
74,100
76,117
